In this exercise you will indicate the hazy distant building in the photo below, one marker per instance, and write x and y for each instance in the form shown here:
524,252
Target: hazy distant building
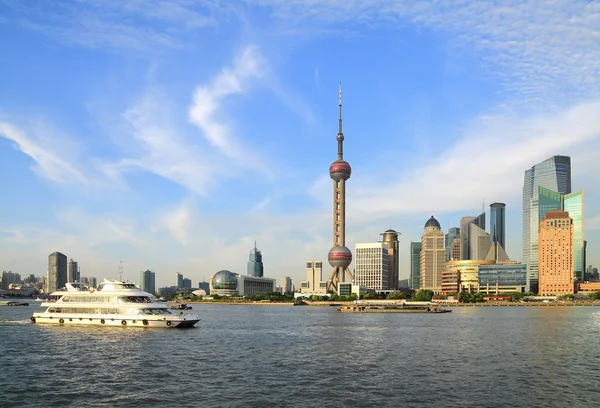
556,254
449,238
498,223
553,174
433,256
186,283
205,286
72,271
286,285
314,276
390,239
57,272
255,263
480,242
179,280
415,265
148,281
9,278
455,249
371,266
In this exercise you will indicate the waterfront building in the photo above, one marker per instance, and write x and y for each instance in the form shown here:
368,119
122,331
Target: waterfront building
449,238
339,257
72,271
502,277
372,266
349,288
179,280
227,283
415,265
57,272
186,283
148,281
450,281
205,286
9,278
553,174
286,285
255,263
433,256
390,239
556,254
498,223
468,270
314,278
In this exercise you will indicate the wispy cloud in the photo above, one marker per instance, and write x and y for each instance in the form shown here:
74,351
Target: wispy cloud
42,146
178,222
134,25
544,55
208,100
493,155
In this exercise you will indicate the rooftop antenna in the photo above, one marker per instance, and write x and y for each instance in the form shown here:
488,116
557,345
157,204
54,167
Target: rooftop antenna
120,270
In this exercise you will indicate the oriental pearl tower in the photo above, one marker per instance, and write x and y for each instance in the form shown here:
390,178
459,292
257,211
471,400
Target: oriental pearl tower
339,256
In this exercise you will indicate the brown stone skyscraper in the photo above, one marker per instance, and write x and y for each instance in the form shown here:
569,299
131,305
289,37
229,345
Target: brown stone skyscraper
555,254
339,256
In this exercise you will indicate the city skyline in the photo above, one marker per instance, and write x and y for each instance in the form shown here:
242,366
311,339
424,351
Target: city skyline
136,142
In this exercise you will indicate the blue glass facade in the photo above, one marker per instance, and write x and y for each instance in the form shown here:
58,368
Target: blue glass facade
415,265
498,223
255,264
503,275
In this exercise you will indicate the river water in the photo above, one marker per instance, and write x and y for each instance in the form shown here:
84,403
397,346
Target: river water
283,356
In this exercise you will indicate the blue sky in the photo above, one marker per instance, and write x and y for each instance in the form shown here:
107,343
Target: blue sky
173,134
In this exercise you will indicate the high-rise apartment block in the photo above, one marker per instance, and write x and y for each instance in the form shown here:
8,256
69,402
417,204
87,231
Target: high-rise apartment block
372,266
314,276
72,271
415,265
553,174
286,285
179,280
57,272
148,281
433,256
556,254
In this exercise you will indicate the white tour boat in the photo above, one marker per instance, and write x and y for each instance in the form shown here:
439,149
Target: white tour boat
114,303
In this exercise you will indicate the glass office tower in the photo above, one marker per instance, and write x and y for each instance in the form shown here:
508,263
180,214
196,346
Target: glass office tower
415,265
498,223
555,175
573,204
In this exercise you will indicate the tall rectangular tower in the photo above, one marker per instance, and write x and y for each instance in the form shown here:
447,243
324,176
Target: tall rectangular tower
57,272
554,174
372,266
573,204
433,256
498,223
415,265
555,255
147,281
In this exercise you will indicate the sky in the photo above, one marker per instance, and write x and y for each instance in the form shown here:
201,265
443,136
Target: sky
173,135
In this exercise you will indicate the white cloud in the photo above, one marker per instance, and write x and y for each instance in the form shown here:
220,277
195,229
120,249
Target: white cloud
45,148
488,162
178,221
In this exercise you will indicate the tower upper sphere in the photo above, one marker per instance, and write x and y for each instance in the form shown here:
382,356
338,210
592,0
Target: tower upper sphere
340,169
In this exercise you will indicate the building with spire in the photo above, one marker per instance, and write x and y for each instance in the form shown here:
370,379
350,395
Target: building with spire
433,256
554,174
339,257
255,263
390,239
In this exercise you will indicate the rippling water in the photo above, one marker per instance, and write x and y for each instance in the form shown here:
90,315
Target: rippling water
263,356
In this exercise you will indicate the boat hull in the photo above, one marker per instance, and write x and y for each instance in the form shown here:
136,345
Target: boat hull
170,322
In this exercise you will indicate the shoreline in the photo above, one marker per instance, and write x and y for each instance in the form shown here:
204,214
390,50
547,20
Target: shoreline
334,304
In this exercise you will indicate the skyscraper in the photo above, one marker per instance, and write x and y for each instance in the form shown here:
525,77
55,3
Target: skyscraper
179,278
415,265
390,239
147,281
573,204
449,238
498,223
433,256
372,266
255,264
555,255
470,237
555,175
72,271
57,271
339,257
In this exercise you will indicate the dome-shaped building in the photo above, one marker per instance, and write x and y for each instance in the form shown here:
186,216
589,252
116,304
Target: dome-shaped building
224,283
432,222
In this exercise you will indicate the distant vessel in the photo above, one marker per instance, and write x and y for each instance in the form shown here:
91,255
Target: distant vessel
38,300
409,307
180,306
13,303
114,303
